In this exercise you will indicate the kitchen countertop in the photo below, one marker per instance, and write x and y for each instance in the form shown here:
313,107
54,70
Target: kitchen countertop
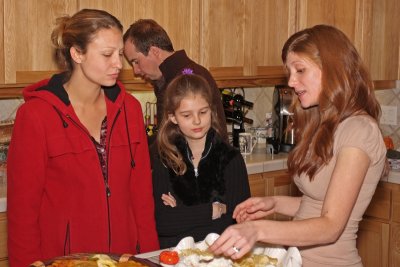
260,161
257,162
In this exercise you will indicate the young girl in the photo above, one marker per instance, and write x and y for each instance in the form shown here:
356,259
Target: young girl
197,178
79,175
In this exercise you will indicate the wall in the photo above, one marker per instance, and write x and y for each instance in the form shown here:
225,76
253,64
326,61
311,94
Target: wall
262,99
391,98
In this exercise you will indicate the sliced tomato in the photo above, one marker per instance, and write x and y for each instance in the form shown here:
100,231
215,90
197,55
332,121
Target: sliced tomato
169,257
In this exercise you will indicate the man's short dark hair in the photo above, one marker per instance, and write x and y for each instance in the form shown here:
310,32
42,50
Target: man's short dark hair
145,33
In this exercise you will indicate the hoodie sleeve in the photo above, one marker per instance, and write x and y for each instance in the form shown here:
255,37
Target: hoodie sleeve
143,190
25,181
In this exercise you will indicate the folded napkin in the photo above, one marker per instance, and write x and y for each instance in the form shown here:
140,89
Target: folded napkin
292,258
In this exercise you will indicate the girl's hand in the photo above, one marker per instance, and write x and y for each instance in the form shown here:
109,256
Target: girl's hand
254,208
218,210
236,240
168,200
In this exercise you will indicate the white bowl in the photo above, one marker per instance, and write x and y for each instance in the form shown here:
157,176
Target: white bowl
210,238
185,243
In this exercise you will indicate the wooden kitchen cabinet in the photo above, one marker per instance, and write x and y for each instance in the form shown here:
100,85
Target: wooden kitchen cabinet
3,240
28,61
250,35
372,25
378,240
273,183
257,185
394,253
239,41
373,243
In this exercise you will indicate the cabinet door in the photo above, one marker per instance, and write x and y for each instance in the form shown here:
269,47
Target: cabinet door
371,25
395,245
343,14
373,243
26,61
3,237
257,185
27,45
381,38
279,183
380,204
396,205
241,36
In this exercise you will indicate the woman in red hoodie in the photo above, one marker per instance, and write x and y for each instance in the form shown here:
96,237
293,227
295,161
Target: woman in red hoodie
79,176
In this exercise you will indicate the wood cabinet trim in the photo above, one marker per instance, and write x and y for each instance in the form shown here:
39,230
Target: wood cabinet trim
225,78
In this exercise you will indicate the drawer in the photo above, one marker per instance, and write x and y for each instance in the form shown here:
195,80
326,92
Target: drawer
3,235
380,205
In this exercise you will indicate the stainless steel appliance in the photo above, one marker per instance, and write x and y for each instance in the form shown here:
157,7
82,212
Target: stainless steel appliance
282,119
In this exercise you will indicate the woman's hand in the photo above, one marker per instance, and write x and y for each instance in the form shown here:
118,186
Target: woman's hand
236,240
168,200
254,208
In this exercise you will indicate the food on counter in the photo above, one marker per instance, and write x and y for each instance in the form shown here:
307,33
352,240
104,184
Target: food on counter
98,260
169,257
198,258
196,254
256,261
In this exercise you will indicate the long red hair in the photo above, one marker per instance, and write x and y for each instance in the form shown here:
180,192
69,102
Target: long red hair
347,89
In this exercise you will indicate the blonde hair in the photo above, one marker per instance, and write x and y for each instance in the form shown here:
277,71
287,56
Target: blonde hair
78,31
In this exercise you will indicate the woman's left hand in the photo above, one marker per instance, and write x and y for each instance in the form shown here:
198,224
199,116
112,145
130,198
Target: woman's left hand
236,240
168,200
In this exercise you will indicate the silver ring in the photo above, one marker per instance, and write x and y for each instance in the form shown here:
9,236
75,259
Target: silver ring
237,250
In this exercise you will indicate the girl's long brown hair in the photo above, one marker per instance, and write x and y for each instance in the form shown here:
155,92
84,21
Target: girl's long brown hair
179,88
347,89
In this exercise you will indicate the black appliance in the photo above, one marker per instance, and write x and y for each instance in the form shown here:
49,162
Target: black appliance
282,119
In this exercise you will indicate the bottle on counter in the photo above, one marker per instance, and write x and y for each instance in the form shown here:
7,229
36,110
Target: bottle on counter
236,116
234,100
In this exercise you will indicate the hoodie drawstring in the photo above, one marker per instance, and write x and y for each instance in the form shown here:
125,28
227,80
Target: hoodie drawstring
129,139
64,123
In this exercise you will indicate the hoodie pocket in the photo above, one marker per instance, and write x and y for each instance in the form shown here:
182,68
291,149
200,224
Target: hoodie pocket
58,146
120,139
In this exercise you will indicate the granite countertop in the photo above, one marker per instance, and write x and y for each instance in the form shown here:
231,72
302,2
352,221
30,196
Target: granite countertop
258,162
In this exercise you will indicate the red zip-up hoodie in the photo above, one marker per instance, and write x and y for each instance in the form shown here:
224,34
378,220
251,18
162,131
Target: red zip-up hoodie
58,201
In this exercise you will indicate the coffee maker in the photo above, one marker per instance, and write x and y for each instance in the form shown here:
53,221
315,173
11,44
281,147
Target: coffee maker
282,119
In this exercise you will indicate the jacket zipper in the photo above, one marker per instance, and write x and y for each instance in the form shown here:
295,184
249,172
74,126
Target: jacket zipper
196,170
107,187
108,191
67,241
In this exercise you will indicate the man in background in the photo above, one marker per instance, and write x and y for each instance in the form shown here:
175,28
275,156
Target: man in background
149,50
